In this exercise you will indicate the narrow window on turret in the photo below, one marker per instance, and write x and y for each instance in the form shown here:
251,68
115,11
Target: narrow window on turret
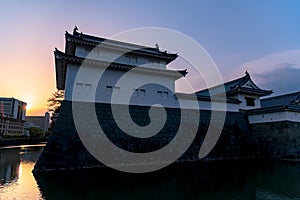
159,94
134,59
142,92
79,88
139,92
135,92
116,90
165,95
128,59
250,101
88,87
109,90
131,59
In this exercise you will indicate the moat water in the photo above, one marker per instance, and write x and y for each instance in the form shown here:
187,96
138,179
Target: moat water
213,180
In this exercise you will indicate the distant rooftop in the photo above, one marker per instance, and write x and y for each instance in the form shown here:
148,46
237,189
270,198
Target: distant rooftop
243,84
281,100
10,99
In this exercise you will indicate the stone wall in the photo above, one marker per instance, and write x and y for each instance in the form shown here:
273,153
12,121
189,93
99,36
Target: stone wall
65,150
278,139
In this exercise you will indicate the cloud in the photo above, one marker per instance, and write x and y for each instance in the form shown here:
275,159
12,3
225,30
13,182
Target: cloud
279,71
273,62
283,80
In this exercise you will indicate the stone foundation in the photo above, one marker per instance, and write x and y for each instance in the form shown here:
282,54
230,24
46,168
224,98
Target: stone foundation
278,139
65,150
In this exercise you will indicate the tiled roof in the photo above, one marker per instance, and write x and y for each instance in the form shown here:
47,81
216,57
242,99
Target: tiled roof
89,40
282,100
207,98
286,102
61,59
236,86
272,109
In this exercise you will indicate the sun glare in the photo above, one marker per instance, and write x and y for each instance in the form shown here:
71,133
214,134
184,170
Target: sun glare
28,107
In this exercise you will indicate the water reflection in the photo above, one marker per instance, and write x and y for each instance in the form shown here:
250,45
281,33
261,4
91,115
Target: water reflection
214,180
217,180
9,162
17,181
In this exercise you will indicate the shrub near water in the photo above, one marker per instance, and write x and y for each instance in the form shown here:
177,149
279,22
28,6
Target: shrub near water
13,136
36,132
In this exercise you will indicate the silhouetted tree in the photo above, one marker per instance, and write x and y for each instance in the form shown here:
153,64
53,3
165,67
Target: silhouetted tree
36,132
54,103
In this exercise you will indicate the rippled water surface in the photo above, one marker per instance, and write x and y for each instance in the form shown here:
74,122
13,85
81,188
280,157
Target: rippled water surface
16,179
214,180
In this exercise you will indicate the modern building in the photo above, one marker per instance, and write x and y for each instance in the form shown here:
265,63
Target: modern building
12,116
41,122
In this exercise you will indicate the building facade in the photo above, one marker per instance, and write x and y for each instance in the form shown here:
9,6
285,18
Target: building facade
96,56
276,126
279,108
12,116
41,122
98,72
86,58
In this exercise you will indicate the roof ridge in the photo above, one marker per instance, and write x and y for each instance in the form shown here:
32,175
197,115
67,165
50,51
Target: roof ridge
283,95
298,95
238,79
102,39
227,83
181,72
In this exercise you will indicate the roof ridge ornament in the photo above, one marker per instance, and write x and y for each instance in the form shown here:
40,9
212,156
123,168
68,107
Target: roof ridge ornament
183,72
157,46
75,30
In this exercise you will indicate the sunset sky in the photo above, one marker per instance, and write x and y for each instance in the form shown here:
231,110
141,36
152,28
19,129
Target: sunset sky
262,37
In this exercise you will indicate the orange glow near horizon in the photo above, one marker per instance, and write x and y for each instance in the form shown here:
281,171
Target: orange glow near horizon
27,67
29,76
34,91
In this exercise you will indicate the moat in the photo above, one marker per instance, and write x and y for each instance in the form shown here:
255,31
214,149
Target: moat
250,179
